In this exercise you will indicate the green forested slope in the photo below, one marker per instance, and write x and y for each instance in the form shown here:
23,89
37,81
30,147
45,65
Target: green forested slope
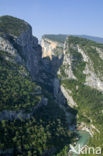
47,128
89,100
11,25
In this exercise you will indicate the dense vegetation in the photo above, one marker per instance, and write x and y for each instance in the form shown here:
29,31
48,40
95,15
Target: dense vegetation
78,65
57,38
37,135
93,38
62,37
90,106
12,25
46,130
82,42
17,91
89,100
90,49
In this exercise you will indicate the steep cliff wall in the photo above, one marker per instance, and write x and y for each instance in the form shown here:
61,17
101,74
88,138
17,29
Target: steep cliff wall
37,82
30,94
82,81
51,48
83,62
53,51
24,49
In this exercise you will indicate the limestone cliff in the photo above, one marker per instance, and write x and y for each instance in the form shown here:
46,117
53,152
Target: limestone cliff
80,79
49,76
30,94
51,48
87,56
81,75
25,50
20,51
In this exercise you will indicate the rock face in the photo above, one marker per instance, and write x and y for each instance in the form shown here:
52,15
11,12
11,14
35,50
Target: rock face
51,48
68,95
31,51
66,68
24,49
91,71
53,54
81,76
68,71
92,79
6,45
80,71
29,81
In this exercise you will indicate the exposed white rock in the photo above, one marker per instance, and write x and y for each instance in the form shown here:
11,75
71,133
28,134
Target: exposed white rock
92,80
85,57
6,46
91,129
68,96
48,47
100,52
67,63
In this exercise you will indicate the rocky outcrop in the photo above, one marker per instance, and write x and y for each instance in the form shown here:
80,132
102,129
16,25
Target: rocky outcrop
6,45
91,129
51,48
100,52
52,54
92,78
24,49
67,71
68,95
31,51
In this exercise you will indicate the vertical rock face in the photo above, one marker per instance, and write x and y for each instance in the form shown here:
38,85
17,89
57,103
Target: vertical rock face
78,63
22,45
82,82
29,109
82,60
31,51
65,70
58,94
53,54
24,49
6,45
51,48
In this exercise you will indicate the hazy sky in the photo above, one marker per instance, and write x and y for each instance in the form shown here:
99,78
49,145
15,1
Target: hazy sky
58,16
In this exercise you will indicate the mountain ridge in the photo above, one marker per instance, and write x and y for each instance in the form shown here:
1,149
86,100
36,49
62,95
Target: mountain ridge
48,92
31,119
62,37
